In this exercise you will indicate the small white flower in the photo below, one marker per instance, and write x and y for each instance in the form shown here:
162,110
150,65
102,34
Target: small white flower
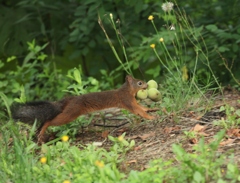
172,27
168,6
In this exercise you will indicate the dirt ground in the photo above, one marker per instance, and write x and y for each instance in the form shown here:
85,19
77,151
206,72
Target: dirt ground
154,139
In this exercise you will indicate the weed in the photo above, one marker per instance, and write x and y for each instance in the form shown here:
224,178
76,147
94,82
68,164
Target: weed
21,160
121,145
205,164
190,134
232,117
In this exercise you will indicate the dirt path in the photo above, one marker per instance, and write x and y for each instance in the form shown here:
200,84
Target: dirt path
154,139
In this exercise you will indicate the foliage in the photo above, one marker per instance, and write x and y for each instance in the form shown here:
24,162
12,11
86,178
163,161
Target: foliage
23,161
70,39
220,32
204,165
34,74
121,144
74,37
232,117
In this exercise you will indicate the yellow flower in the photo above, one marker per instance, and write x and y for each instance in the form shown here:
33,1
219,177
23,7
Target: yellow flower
43,160
65,138
150,17
161,39
152,46
66,181
100,164
120,138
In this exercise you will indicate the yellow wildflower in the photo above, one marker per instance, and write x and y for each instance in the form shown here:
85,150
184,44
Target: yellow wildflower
120,138
161,39
66,181
43,160
152,46
100,164
65,138
150,17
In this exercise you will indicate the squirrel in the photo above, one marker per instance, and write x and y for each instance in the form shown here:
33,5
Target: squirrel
68,109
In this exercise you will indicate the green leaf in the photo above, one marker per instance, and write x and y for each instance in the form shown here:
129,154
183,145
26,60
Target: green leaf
22,98
230,167
6,102
1,64
223,49
29,56
111,138
42,57
198,177
222,108
238,112
179,151
9,59
221,181
211,27
77,76
154,71
132,143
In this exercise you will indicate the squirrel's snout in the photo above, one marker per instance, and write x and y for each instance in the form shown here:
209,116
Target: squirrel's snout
145,86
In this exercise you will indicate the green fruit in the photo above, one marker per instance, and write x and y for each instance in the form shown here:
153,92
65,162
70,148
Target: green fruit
154,94
152,84
142,94
158,99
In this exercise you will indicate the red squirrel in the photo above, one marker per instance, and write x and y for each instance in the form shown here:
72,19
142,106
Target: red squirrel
68,109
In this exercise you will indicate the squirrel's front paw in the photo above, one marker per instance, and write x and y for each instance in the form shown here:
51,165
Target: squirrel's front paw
153,117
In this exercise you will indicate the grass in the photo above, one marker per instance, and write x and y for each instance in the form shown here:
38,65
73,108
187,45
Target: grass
24,161
232,117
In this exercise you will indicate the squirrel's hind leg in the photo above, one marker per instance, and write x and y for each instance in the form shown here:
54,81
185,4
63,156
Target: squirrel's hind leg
41,131
61,119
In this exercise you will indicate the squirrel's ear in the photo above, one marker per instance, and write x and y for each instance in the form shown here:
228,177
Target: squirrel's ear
129,78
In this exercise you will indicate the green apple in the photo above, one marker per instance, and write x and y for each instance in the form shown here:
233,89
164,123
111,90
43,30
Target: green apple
154,94
142,94
158,99
152,84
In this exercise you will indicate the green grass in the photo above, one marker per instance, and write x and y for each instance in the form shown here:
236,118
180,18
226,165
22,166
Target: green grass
232,117
21,161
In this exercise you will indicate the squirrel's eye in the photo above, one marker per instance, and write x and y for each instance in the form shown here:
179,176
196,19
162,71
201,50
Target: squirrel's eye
139,83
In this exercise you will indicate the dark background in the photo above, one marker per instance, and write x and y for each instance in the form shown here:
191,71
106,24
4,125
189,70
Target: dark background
75,38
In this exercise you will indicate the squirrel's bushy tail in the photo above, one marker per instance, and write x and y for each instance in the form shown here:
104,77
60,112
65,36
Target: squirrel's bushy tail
41,111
